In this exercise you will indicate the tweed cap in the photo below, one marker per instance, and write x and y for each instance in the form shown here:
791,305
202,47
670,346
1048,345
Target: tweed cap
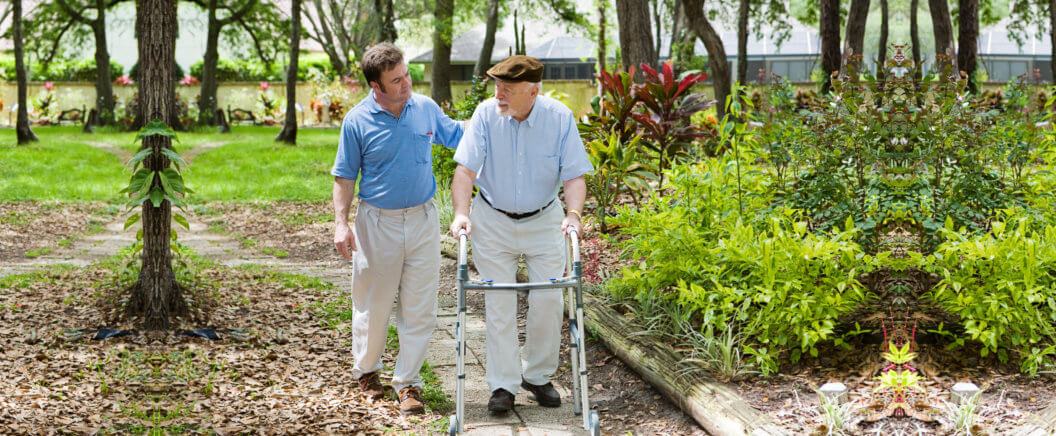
518,69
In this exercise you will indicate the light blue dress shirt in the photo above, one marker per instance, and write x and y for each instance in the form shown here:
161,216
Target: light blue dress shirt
394,155
520,165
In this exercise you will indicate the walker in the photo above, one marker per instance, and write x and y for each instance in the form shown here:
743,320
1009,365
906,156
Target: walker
577,349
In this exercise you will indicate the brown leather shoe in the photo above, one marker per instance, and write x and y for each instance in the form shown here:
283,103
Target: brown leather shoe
371,385
411,401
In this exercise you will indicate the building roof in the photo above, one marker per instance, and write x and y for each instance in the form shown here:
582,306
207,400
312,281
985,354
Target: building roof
466,48
997,40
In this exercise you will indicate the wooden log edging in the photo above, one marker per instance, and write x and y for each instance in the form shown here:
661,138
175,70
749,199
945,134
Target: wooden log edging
714,405
1041,424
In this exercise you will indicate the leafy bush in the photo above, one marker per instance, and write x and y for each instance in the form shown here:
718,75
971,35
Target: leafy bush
1002,285
177,71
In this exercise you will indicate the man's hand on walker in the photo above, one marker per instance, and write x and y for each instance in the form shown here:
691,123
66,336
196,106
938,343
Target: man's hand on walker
572,219
345,240
460,222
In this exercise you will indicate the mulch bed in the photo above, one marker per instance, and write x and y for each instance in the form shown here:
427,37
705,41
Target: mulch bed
32,225
303,230
278,369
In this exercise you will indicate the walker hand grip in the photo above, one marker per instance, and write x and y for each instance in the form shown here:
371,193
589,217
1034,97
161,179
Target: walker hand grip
573,242
462,235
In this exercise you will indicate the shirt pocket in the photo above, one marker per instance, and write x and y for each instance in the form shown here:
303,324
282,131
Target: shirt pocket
423,148
548,168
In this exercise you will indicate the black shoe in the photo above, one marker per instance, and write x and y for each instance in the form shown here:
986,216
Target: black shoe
546,395
501,402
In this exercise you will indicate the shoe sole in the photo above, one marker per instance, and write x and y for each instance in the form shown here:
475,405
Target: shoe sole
411,412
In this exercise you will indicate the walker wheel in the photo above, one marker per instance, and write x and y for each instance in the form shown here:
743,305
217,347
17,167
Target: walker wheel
452,427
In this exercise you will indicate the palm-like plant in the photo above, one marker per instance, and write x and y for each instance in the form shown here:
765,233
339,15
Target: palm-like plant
616,169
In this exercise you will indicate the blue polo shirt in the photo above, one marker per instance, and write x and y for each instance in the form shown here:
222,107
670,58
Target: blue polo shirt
394,156
520,165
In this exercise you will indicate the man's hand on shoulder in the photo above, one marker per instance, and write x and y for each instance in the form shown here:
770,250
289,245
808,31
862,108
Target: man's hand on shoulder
345,240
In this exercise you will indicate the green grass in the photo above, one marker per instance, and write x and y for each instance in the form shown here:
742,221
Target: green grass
254,167
58,167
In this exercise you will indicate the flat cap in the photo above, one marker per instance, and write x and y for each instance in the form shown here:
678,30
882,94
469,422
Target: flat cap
518,69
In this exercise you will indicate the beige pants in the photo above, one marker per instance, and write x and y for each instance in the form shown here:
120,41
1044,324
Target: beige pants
398,255
498,241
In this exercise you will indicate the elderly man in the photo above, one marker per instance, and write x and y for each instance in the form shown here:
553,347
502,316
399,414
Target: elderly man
386,141
519,148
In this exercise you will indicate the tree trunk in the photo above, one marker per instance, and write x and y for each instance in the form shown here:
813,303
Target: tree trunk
657,22
682,38
484,60
442,36
636,41
156,296
856,20
207,97
104,84
943,28
1052,37
968,40
387,30
22,130
881,72
914,38
829,27
717,62
289,126
742,41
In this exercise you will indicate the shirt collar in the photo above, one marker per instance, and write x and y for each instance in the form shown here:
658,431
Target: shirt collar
376,108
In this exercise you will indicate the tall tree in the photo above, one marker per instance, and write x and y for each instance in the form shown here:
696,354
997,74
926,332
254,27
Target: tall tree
914,37
968,39
104,86
880,71
602,43
636,41
1052,38
743,10
346,28
22,130
235,10
718,64
443,33
492,23
857,17
942,28
829,28
156,296
289,126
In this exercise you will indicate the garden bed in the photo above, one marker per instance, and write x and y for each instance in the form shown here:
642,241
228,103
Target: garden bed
33,228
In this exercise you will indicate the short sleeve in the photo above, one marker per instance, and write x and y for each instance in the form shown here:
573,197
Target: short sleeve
349,152
473,148
448,131
574,159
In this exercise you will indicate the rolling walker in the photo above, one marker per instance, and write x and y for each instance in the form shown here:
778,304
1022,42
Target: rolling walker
577,350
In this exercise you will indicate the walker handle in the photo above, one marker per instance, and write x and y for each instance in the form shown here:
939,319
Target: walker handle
462,235
573,242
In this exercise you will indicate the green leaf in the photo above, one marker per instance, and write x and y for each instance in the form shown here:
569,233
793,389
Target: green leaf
174,157
138,157
156,196
174,179
156,128
135,184
132,220
181,220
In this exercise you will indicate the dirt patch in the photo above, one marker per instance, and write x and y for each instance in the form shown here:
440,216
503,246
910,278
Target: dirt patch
281,366
299,231
35,227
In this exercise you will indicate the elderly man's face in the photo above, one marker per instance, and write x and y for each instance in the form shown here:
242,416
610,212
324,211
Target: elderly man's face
515,98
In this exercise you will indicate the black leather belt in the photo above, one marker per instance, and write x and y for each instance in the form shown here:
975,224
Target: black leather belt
518,216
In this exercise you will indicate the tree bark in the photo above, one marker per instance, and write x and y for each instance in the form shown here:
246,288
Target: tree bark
603,47
943,28
636,40
914,38
968,40
717,62
857,17
743,10
156,296
104,83
829,27
484,59
387,30
207,101
22,130
289,126
881,72
442,36
1052,36
657,23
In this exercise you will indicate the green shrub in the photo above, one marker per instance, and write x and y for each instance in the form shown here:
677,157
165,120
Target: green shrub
177,71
